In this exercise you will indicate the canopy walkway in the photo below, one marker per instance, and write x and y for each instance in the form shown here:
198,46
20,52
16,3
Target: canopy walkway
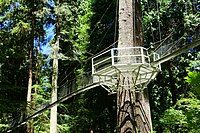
107,68
109,65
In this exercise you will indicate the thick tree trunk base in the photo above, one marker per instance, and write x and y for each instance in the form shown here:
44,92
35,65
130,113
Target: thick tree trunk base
133,114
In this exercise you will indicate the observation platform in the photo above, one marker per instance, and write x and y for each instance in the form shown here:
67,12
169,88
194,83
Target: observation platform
109,66
136,61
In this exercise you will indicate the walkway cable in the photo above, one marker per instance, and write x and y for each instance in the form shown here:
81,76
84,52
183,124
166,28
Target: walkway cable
105,34
100,18
158,19
89,59
90,35
116,20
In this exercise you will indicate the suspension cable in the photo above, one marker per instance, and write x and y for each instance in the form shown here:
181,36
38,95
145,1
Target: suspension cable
88,60
116,19
89,35
158,19
101,18
106,33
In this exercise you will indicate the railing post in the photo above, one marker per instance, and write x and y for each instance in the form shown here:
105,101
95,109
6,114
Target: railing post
149,61
92,66
112,56
142,53
159,63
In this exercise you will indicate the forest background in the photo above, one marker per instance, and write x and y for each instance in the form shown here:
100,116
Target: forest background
85,28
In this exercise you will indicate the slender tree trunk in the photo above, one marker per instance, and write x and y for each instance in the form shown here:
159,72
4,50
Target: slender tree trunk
30,82
30,72
37,65
53,117
37,62
133,107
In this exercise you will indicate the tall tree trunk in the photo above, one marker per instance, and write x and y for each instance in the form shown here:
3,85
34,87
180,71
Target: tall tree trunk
30,82
30,71
133,107
53,117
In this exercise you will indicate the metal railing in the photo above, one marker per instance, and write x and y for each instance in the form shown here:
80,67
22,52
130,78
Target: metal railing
121,57
169,46
75,84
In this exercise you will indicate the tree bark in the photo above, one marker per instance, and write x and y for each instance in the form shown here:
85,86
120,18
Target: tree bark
53,116
30,73
37,65
133,110
125,106
28,125
130,23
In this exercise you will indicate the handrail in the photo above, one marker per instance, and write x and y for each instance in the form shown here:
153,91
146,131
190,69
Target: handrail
137,47
101,54
176,53
135,56
60,100
102,61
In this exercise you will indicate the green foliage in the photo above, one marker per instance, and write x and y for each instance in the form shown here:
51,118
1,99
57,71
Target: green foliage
193,79
42,124
83,28
3,123
41,98
165,22
21,27
192,21
3,126
174,118
64,123
183,117
92,110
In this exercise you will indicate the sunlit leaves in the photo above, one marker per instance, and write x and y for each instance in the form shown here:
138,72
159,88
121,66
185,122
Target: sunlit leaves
21,27
183,117
5,4
3,127
173,117
62,10
193,79
192,20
